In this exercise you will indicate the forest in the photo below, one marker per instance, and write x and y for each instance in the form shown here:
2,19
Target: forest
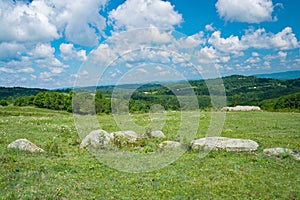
269,94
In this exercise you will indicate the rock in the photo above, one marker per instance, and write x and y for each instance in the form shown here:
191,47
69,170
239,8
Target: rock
208,143
223,143
280,151
25,145
157,134
169,145
97,138
131,135
241,108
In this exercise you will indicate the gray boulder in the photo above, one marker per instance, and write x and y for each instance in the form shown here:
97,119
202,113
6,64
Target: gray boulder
169,145
157,134
223,143
277,151
130,135
25,145
97,138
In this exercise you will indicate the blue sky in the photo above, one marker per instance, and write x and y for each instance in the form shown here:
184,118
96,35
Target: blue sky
54,43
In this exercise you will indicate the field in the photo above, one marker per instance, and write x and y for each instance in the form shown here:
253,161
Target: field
68,172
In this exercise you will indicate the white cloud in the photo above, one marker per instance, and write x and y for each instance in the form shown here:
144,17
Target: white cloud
267,65
45,76
242,68
144,13
211,55
12,50
255,54
192,41
57,70
230,44
183,59
253,60
49,75
158,68
56,63
26,70
42,51
282,56
133,46
142,70
142,36
251,11
229,68
208,53
7,70
260,39
33,77
44,20
128,65
80,20
20,22
209,27
69,52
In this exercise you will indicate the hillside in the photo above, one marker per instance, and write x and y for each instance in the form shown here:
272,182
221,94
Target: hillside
14,92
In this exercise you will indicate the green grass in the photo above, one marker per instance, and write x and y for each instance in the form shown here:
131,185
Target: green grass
67,172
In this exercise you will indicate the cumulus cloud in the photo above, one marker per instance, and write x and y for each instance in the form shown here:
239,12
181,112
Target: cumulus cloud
209,27
80,20
251,11
12,71
7,70
42,51
211,55
57,70
253,60
11,51
230,44
192,41
69,52
46,20
26,70
144,13
22,22
259,39
282,56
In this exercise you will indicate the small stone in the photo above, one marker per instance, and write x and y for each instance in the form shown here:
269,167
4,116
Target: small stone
157,134
277,151
25,145
169,145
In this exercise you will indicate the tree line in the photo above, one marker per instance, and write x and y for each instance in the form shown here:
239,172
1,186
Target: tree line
270,94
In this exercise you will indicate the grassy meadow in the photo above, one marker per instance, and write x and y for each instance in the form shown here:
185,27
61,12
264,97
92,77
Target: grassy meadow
67,172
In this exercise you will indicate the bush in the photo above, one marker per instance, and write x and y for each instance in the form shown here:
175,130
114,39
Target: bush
3,103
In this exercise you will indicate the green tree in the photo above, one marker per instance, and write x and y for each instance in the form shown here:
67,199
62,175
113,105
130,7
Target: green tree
83,103
39,99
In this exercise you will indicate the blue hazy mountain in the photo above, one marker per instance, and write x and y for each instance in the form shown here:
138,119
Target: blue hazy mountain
281,75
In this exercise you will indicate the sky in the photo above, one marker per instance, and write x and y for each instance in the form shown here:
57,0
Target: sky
58,43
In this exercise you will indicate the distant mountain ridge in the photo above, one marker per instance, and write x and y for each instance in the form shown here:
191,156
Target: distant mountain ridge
288,75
